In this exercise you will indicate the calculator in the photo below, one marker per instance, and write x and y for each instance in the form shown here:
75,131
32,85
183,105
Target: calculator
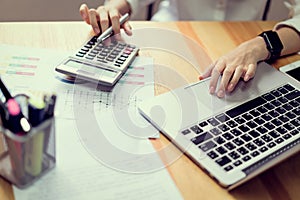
101,62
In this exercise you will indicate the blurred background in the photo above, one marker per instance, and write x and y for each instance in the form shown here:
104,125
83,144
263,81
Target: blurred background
67,10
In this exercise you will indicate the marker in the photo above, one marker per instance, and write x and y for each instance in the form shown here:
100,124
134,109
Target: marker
109,31
34,146
5,91
18,125
50,105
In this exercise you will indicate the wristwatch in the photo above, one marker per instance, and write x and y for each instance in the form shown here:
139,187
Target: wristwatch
273,44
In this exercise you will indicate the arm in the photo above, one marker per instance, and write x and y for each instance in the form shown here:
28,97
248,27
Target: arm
242,61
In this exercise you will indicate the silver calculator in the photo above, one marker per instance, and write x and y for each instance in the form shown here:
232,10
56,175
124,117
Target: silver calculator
102,62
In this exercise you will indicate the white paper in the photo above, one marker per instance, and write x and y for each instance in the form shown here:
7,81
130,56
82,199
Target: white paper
78,173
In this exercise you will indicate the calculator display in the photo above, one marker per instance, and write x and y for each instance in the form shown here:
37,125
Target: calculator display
88,68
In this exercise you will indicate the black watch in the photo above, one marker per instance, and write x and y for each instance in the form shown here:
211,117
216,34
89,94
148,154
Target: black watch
273,43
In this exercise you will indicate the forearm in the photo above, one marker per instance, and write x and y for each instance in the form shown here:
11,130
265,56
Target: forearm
290,39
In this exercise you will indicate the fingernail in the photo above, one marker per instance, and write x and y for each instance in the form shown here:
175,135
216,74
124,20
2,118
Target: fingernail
230,87
220,93
246,78
97,30
211,90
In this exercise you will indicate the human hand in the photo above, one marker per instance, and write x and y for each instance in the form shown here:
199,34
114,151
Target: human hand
239,63
101,18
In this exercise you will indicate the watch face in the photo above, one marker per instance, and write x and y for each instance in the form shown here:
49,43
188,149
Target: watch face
273,43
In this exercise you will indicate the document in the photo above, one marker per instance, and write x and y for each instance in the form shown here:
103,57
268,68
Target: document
78,175
81,172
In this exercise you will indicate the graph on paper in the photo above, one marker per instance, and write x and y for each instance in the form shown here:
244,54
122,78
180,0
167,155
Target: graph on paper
131,89
18,65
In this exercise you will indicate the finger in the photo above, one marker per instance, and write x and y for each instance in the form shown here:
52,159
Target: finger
208,72
239,71
215,74
103,18
127,28
227,74
93,15
115,20
84,10
250,72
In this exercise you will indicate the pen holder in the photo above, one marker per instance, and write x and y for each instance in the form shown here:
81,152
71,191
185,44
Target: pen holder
25,158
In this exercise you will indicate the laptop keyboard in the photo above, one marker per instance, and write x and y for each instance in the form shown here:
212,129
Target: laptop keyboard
237,135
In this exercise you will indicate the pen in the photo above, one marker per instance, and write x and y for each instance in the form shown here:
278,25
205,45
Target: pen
109,31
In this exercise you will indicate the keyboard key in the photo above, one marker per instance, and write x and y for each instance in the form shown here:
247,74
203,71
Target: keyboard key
276,93
267,138
203,124
249,105
279,140
263,149
242,150
283,90
262,109
223,127
229,146
251,146
213,122
295,132
246,158
231,123
219,140
269,126
258,142
223,161
293,95
207,146
254,153
276,122
228,168
239,120
246,137
212,154
247,116
237,163
235,132
234,155
262,130
251,124
185,132
221,150
255,113
274,134
196,129
215,131
201,138
290,115
227,136
268,96
238,141
259,120
283,118
289,87
276,103
222,117
244,128
281,130
254,133
289,126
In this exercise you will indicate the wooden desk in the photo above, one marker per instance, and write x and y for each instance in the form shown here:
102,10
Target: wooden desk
216,38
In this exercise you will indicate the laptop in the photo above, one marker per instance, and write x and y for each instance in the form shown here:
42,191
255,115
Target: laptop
237,137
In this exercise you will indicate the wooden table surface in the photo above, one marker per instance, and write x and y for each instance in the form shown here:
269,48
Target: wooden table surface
215,39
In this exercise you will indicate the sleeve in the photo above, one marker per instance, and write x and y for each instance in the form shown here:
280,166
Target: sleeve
136,5
294,21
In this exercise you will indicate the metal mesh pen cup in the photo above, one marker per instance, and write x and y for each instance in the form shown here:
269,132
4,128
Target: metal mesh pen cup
25,158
